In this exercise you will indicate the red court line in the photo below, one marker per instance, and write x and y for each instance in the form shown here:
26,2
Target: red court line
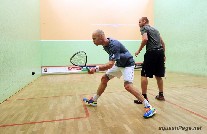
44,121
188,110
46,97
87,112
201,116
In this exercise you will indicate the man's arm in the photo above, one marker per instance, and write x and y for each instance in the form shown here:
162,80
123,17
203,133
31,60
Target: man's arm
163,44
102,67
143,43
107,65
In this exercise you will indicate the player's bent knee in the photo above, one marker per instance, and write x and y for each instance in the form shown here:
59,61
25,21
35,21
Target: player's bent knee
128,85
104,79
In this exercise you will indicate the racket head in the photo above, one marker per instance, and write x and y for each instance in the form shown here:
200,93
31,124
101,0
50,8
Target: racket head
79,59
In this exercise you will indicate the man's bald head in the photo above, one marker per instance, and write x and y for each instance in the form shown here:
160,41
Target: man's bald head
98,32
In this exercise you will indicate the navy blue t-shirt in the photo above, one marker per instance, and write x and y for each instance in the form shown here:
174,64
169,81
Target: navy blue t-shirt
117,52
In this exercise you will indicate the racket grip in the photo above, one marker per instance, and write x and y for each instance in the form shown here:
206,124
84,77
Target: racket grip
88,69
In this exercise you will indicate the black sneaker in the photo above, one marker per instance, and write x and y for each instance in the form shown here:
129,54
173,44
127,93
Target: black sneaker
139,101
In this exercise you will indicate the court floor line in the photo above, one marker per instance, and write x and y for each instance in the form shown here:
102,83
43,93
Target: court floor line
45,121
87,112
185,109
44,97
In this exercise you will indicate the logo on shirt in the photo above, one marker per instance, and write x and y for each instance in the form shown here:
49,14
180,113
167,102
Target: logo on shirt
113,56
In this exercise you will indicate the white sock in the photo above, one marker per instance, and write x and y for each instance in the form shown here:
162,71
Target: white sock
95,97
146,103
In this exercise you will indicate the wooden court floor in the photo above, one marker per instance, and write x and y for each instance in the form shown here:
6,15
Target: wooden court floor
52,104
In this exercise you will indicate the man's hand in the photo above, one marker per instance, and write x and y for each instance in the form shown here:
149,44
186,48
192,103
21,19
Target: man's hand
137,52
92,70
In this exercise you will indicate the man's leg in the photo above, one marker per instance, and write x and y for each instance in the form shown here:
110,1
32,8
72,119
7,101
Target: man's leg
110,74
144,83
102,86
150,111
130,88
160,96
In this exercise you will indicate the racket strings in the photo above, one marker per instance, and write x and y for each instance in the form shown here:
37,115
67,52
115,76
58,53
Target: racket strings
79,59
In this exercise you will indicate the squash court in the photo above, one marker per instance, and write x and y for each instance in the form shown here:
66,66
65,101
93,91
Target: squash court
41,90
53,104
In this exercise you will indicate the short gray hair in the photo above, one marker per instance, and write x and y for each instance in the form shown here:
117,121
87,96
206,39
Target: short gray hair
99,32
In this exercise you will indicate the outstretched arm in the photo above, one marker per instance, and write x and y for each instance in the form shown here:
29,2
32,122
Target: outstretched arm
107,65
143,43
102,67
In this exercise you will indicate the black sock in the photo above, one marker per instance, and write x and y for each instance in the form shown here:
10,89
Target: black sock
145,96
160,93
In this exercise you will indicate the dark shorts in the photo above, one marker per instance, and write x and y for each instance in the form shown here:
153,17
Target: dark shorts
153,64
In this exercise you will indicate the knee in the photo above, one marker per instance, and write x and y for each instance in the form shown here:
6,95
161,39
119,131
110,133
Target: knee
158,78
144,80
128,86
104,79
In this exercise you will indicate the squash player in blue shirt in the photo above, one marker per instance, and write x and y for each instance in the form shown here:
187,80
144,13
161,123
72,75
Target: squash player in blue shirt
120,63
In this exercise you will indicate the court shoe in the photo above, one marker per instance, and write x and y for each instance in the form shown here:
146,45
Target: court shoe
158,97
90,101
149,112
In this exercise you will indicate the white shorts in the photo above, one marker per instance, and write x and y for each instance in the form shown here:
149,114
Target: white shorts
127,72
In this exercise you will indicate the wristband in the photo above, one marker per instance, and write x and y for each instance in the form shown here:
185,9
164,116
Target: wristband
97,68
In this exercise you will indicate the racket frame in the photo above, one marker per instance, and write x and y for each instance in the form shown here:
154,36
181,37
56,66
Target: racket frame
82,66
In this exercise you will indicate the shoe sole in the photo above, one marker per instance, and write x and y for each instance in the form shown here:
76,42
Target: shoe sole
94,105
160,99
